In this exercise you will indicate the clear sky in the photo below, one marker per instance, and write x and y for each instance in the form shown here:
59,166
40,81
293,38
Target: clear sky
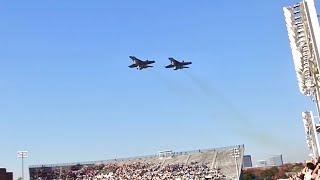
67,94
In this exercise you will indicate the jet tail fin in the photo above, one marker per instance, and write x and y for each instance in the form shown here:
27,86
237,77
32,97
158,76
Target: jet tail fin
133,58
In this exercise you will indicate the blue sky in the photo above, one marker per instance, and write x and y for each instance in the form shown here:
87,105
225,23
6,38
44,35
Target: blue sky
67,95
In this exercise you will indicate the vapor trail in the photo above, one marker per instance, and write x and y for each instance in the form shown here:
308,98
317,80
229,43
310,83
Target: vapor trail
209,91
244,127
170,84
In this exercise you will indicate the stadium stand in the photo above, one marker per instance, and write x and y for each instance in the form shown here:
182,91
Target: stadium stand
200,164
4,175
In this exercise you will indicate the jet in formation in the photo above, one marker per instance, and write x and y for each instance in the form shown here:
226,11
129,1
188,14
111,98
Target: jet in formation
139,64
177,65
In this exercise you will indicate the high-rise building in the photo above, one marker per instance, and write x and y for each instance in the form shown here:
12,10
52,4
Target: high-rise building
261,163
247,162
276,160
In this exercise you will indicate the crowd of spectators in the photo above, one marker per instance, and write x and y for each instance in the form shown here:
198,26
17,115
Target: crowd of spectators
311,171
143,171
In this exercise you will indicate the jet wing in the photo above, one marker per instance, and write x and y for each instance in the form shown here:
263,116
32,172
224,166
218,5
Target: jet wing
132,66
169,66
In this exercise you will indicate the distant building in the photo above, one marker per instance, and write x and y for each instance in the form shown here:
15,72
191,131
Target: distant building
261,163
276,160
4,175
247,162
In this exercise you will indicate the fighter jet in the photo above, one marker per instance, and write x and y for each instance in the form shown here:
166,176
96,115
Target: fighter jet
139,64
177,65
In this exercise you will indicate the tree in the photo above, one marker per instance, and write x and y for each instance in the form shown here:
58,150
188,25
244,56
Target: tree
274,169
280,175
269,173
247,175
296,168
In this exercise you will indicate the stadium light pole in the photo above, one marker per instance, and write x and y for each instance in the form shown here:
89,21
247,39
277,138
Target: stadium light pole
311,134
22,154
235,152
304,35
303,31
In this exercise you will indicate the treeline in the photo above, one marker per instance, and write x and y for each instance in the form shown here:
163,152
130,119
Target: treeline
280,172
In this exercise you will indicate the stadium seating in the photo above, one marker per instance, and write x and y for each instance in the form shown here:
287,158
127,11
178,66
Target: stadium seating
200,164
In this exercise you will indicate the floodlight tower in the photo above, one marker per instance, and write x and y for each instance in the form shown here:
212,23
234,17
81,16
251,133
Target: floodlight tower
303,43
304,35
311,134
22,154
